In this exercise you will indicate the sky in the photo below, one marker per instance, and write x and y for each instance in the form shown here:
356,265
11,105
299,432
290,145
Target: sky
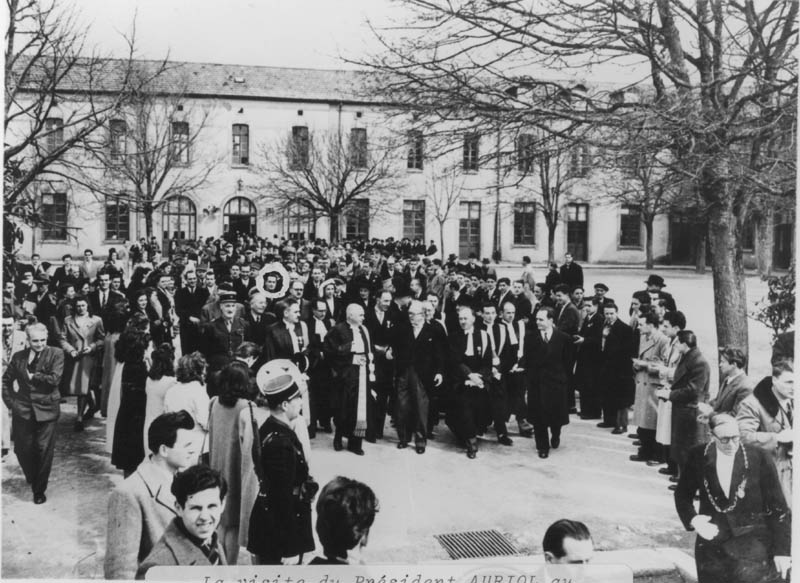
281,33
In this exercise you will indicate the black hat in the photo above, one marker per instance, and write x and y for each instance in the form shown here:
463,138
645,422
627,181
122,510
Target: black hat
226,294
452,257
485,261
601,286
654,279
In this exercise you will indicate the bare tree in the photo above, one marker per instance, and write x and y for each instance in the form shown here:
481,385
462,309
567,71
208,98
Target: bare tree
55,99
151,148
324,175
640,176
721,74
443,192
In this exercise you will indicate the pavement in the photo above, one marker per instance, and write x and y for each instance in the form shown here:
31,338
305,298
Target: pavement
625,504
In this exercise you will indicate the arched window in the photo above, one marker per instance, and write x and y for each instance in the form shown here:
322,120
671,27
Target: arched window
239,217
179,219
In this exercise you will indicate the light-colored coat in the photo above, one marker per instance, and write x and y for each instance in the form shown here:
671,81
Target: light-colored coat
192,398
760,419
139,510
653,348
75,337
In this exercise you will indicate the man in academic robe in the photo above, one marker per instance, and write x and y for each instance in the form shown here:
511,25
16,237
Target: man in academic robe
350,353
743,522
470,370
419,362
498,399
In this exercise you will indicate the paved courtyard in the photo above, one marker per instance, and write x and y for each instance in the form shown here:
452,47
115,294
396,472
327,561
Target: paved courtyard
625,504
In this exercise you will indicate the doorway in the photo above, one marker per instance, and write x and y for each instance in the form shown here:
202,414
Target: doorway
578,231
469,229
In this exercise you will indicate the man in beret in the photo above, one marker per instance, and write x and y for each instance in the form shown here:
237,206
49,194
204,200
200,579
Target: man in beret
600,291
655,291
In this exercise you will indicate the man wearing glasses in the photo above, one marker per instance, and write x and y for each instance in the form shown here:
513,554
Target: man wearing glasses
743,524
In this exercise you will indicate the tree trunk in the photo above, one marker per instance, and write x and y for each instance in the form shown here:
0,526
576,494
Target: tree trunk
148,210
441,241
551,242
648,244
765,240
700,250
333,228
730,297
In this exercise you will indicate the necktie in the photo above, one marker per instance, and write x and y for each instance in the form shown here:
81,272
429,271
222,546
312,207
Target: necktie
790,413
33,363
102,299
544,336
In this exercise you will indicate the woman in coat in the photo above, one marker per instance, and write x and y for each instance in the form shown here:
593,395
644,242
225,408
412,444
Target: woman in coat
81,339
160,379
280,523
189,394
128,450
225,454
116,319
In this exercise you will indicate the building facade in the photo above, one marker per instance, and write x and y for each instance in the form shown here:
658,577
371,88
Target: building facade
246,111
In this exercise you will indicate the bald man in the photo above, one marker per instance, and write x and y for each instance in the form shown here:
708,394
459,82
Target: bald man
349,352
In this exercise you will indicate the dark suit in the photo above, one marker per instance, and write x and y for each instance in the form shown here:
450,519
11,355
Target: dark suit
35,409
94,301
731,393
380,333
568,320
523,305
189,304
571,274
644,297
468,403
319,389
616,373
278,344
689,386
417,361
545,366
218,345
588,365
61,276
752,533
242,289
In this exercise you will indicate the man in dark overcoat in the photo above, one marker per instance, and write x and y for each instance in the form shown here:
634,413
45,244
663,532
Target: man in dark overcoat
743,523
288,338
319,372
35,406
470,371
419,364
588,361
189,301
350,353
546,356
617,386
689,387
380,320
497,391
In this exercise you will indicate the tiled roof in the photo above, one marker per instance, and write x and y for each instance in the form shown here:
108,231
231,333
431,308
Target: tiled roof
232,81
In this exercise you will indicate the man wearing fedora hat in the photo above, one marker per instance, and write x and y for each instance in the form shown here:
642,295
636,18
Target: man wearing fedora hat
655,284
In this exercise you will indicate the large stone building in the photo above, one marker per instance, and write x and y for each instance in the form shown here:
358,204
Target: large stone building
245,110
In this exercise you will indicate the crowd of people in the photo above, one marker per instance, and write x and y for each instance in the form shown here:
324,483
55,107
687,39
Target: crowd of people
232,354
